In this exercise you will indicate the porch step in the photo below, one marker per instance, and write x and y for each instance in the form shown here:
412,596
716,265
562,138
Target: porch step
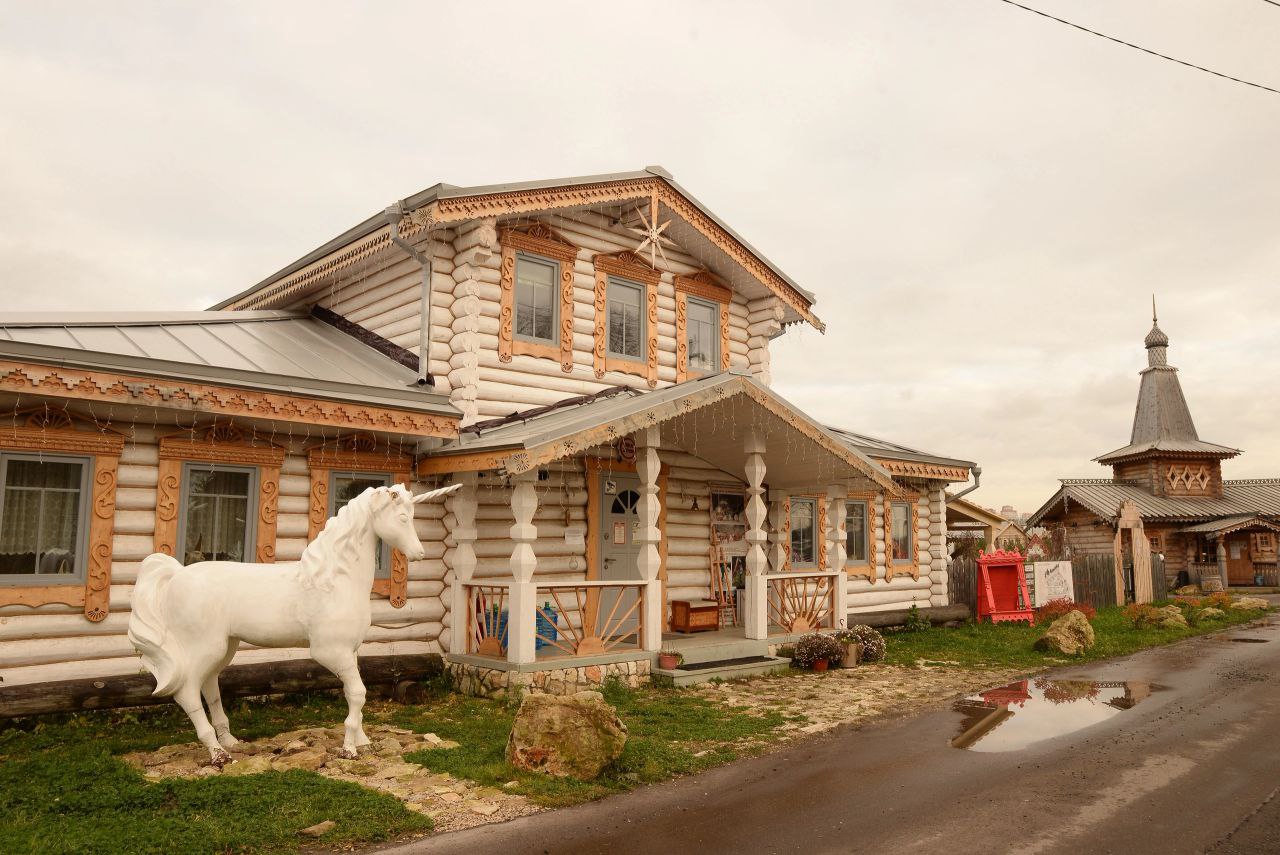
708,648
723,669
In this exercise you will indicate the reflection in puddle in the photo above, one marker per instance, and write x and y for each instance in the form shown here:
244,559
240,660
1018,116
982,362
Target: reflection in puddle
1250,640
1012,717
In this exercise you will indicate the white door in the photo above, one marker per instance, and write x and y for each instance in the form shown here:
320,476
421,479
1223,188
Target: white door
620,523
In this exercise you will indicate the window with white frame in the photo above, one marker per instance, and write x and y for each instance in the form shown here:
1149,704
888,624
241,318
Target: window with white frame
626,319
702,334
900,539
536,303
804,543
43,522
219,512
855,532
345,486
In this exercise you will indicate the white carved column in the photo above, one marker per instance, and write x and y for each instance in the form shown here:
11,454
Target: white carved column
462,505
649,560
836,510
521,623
756,592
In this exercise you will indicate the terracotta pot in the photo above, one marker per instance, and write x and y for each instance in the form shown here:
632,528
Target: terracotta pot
668,661
852,654
820,665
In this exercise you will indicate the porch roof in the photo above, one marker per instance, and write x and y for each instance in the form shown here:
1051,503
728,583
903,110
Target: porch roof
1103,498
708,417
1233,524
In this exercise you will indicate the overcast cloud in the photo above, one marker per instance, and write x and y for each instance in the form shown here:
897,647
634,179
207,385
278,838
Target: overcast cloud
983,200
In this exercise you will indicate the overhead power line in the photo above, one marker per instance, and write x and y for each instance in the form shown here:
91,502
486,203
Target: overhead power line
1146,50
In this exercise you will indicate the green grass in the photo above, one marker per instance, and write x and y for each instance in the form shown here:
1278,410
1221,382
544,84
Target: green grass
63,789
670,733
1009,645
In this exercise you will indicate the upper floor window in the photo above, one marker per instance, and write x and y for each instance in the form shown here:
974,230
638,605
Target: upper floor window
855,528
804,541
900,539
218,513
703,335
42,518
626,319
345,486
536,299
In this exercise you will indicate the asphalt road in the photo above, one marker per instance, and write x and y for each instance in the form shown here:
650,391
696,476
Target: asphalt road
1195,767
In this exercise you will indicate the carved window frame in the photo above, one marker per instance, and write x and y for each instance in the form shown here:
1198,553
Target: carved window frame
865,568
53,431
894,566
546,243
226,444
629,266
712,289
819,525
359,453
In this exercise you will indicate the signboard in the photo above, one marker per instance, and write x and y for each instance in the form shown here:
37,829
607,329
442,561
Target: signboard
620,533
1053,581
575,535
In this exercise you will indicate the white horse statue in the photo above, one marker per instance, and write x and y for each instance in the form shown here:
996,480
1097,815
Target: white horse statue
188,621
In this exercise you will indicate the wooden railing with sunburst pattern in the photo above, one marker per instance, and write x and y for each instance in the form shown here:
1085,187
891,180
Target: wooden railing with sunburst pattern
581,618
803,602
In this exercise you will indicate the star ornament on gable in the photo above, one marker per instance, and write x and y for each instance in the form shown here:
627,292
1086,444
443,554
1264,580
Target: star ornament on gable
651,235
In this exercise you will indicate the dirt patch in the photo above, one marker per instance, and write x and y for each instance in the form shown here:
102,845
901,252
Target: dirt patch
453,804
859,694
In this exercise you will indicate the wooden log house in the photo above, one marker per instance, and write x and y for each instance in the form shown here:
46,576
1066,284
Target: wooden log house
590,357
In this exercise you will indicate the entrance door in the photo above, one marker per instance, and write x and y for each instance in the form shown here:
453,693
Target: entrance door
619,552
1239,560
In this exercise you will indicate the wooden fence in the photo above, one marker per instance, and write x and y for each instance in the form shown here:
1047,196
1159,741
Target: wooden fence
1094,578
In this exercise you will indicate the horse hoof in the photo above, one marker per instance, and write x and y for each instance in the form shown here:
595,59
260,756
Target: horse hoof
228,741
348,753
221,759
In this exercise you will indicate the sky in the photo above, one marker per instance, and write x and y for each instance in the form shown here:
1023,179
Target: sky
983,200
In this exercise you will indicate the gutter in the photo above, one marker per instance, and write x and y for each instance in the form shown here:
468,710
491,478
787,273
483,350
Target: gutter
395,213
977,480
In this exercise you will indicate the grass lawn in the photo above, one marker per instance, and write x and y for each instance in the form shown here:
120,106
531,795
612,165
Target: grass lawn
63,789
1010,644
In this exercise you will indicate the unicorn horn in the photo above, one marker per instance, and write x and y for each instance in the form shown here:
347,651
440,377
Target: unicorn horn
435,494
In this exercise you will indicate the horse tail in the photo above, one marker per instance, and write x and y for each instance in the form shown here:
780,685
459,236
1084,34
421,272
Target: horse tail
148,630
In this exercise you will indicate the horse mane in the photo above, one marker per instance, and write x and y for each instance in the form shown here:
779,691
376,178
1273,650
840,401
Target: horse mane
334,550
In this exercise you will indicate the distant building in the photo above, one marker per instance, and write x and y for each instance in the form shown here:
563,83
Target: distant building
1167,485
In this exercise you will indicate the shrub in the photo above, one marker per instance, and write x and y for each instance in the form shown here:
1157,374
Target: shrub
1219,600
815,646
1143,615
872,642
1055,609
915,621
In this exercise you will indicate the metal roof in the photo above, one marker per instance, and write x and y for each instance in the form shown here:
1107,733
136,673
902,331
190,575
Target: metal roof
449,191
264,350
1232,524
1103,497
1179,446
886,450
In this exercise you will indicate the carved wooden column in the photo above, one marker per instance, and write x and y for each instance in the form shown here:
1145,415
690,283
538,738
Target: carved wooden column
521,626
755,596
462,505
836,511
779,531
648,560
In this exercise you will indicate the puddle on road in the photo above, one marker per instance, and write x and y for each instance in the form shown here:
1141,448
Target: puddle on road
1250,640
1012,717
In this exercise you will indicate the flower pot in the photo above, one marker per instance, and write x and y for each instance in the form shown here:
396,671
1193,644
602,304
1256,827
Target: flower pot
852,654
668,661
820,665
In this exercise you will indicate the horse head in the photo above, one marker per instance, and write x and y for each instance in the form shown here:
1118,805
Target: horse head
392,517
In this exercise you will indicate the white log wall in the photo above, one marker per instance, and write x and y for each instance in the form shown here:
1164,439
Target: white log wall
903,591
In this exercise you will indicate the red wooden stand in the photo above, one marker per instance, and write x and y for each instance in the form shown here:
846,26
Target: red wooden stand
1002,588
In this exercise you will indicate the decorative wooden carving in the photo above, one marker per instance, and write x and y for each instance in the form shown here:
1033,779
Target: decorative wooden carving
820,534
905,469
866,568
626,265
359,453
538,239
682,337
708,286
54,430
1188,477
220,443
87,385
801,603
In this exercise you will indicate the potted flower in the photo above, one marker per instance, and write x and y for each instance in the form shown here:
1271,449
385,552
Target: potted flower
816,650
869,644
669,660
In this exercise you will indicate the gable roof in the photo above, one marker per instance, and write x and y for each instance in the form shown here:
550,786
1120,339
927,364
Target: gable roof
903,461
269,350
1103,498
973,511
1230,524
442,204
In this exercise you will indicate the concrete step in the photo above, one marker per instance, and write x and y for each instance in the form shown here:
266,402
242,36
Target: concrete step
697,650
728,669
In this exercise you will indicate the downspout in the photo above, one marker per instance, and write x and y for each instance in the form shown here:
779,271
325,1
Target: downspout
394,214
977,479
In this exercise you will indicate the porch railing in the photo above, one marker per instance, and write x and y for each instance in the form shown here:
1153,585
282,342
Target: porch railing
803,601
573,618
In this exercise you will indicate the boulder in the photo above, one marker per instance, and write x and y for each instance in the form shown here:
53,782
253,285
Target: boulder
566,735
1070,634
1211,613
1251,604
1188,590
309,759
1171,617
248,766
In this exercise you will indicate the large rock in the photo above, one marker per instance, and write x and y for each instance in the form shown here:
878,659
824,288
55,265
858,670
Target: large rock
566,735
1250,604
1171,617
1211,613
1070,634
